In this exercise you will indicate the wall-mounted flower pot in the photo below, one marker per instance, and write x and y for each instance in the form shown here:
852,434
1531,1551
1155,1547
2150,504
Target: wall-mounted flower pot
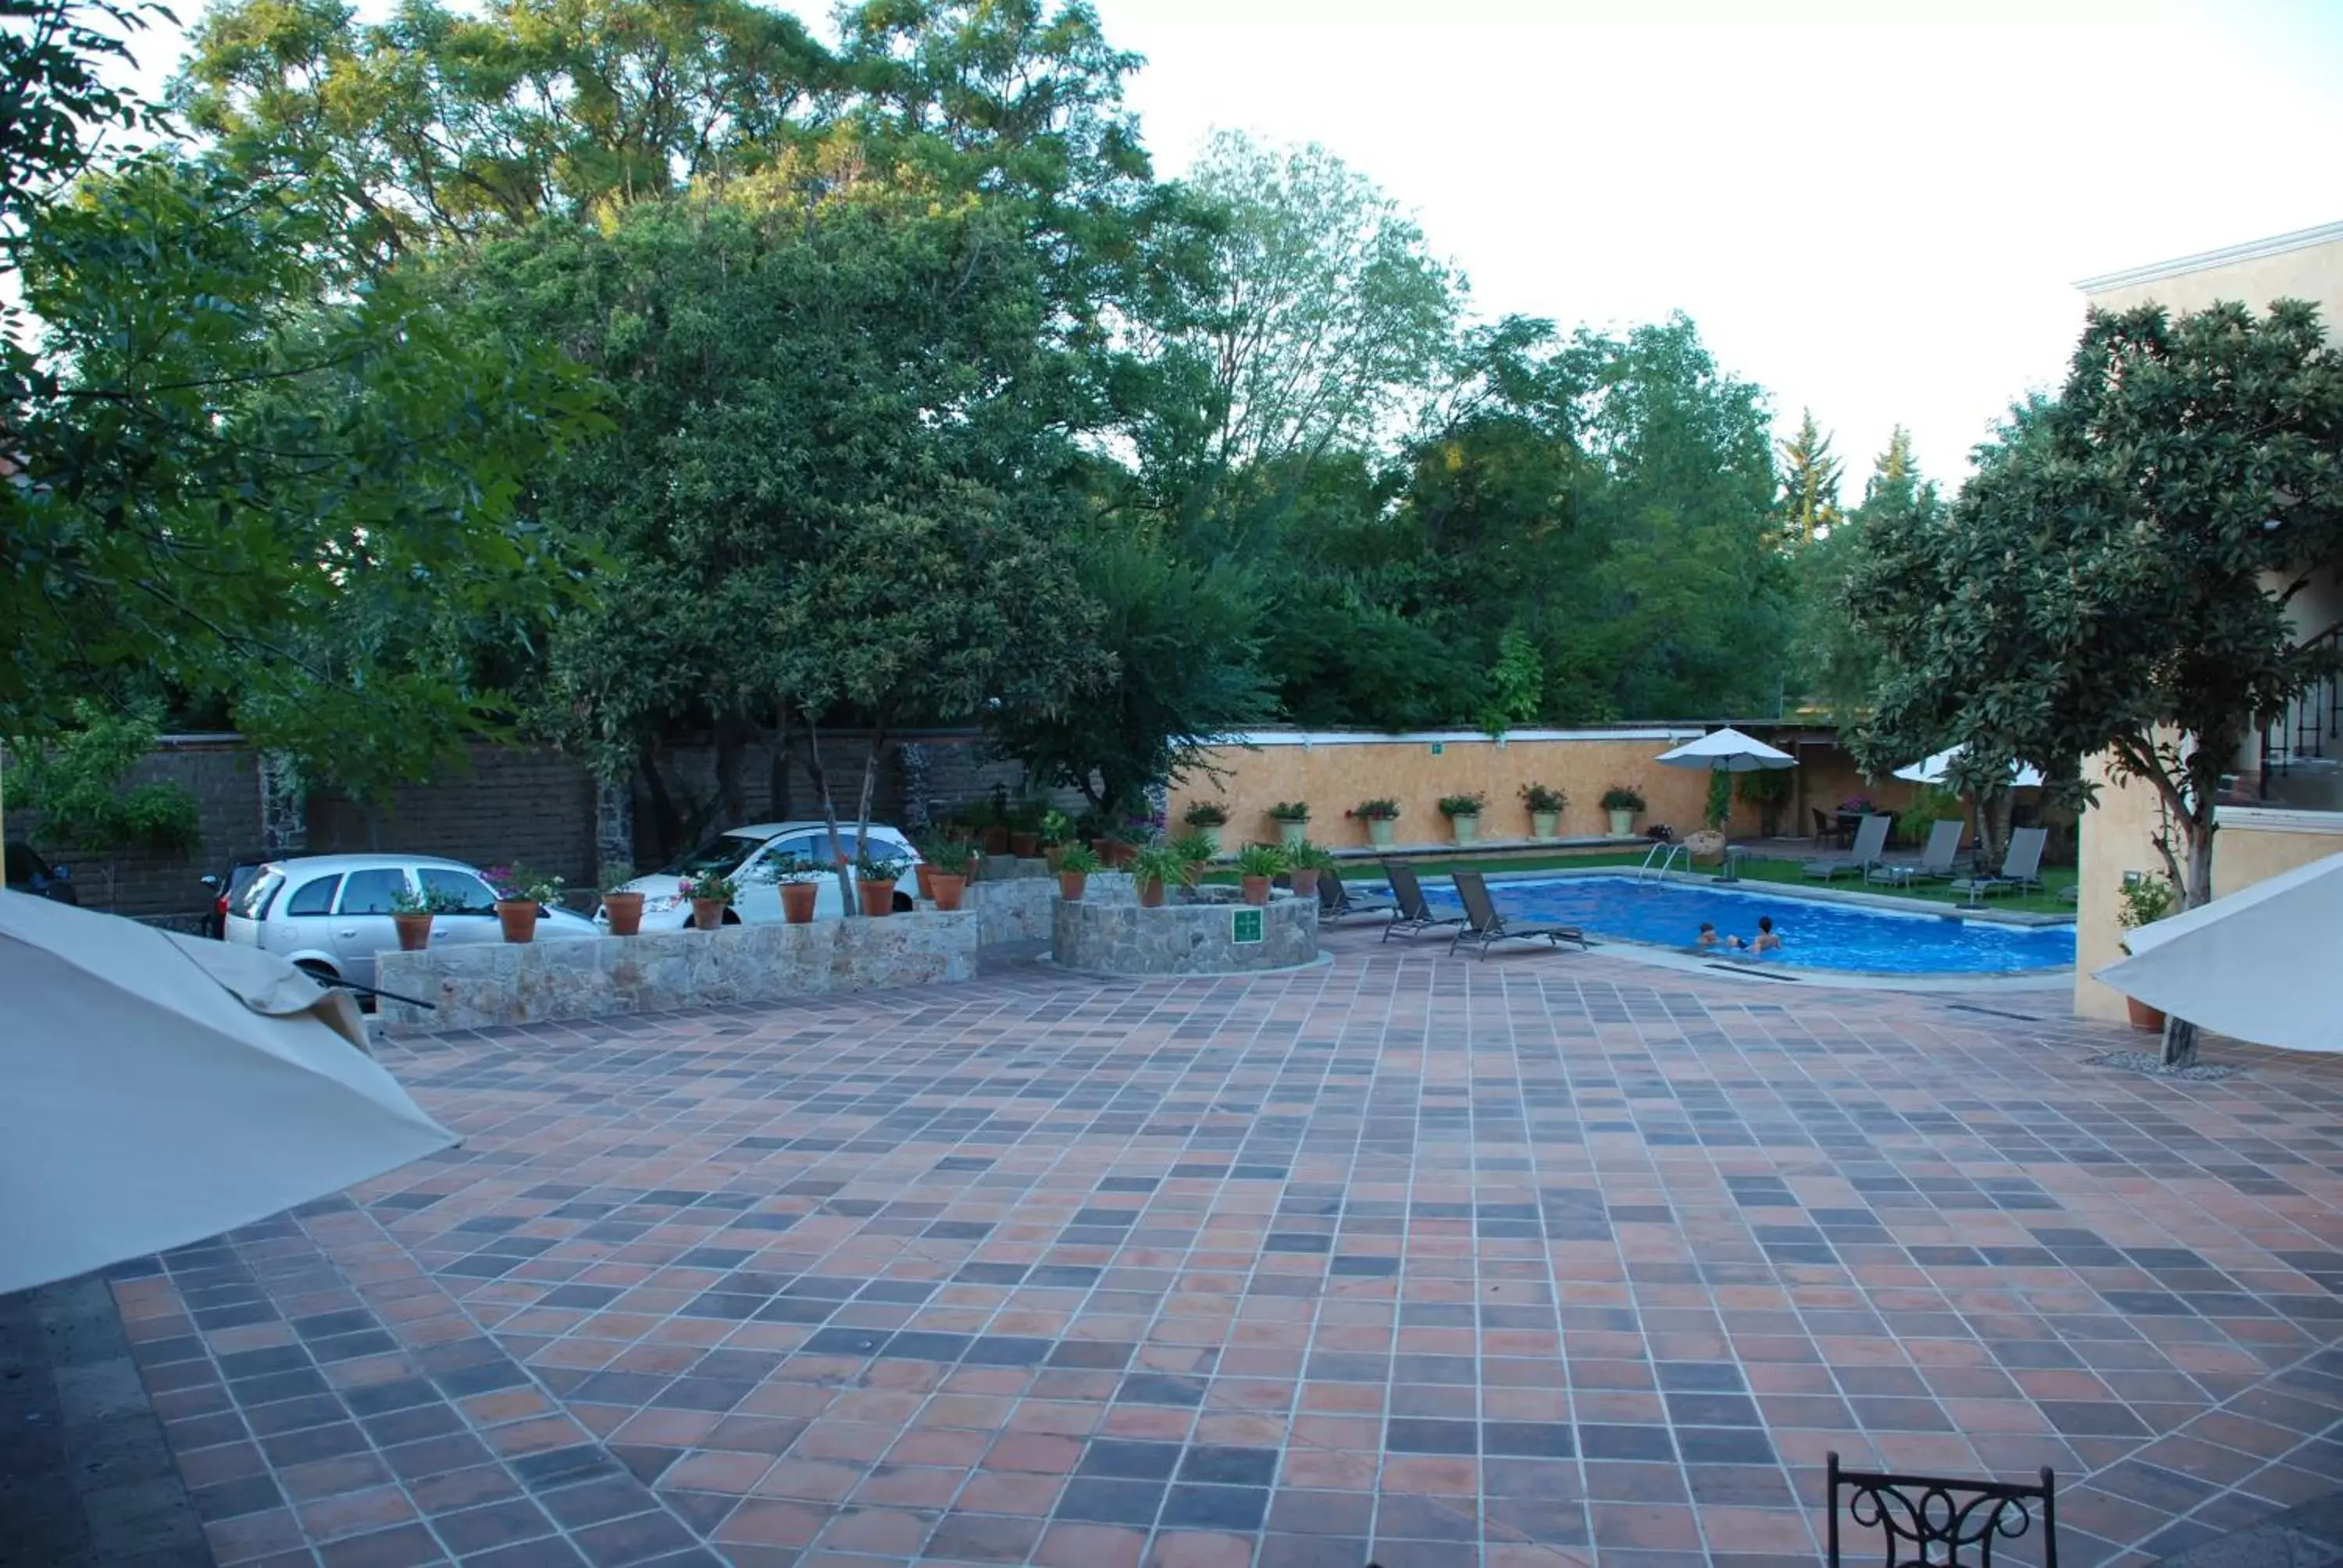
1379,831
1467,827
1292,833
1623,824
1546,824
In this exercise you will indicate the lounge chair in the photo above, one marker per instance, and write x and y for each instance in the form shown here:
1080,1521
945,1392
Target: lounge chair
1483,925
1870,840
1937,863
2021,868
1415,911
1335,902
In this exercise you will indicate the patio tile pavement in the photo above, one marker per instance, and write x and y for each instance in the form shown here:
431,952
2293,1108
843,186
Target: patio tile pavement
1542,1259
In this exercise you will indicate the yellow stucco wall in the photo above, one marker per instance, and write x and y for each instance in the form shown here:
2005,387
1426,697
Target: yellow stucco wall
1335,773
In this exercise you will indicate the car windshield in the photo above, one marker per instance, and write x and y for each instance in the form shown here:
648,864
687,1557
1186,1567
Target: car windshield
716,856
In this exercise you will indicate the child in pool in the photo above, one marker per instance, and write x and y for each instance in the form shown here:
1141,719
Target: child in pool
1708,940
1769,940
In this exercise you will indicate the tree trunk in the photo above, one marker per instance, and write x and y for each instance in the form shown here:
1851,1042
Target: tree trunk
849,905
666,827
776,779
2195,891
732,749
869,780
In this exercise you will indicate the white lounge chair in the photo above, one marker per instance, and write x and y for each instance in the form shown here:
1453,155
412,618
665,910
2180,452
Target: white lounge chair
1935,863
1870,840
2021,868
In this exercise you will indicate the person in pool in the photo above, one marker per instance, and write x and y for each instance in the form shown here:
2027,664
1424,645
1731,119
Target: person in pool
1709,940
1769,940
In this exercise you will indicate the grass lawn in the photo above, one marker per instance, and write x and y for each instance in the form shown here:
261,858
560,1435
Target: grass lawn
2049,901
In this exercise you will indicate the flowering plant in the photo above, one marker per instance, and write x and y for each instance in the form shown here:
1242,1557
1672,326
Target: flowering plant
711,885
514,884
1857,805
1375,811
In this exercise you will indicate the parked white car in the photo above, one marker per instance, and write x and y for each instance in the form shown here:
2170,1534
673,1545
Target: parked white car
331,913
747,854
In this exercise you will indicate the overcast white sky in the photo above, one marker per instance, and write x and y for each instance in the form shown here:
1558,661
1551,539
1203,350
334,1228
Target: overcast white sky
1879,219
1882,221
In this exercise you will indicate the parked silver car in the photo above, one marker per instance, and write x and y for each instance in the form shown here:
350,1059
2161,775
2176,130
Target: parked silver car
331,913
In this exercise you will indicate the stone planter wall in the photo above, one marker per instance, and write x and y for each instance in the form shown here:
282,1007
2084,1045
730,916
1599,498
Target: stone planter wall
1020,909
1117,936
494,984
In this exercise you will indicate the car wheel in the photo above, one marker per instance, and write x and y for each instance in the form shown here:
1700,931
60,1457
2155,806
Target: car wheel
904,904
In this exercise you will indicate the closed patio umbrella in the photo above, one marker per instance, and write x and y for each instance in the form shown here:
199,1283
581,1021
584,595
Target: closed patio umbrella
156,1089
2258,965
1932,771
1727,750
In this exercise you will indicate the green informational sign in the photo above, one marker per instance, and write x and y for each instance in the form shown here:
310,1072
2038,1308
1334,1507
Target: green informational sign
1438,746
1245,926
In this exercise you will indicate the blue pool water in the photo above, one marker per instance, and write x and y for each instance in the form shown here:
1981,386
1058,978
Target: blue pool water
1814,934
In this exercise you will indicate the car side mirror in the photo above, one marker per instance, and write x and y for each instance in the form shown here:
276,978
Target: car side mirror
211,881
61,873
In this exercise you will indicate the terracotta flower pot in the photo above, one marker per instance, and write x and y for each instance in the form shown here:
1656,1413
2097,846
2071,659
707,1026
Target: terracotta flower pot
1151,895
1024,846
878,897
996,840
1305,883
1126,854
707,913
518,918
796,902
1104,849
924,876
947,891
1071,885
1256,890
414,931
2146,1018
625,911
1054,854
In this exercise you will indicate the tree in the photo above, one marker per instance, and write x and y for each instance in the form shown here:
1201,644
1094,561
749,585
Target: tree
77,784
1837,659
1183,638
1810,480
2114,577
244,486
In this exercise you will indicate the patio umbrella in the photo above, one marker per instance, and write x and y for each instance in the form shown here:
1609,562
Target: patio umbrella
1932,771
2258,965
1727,750
161,1089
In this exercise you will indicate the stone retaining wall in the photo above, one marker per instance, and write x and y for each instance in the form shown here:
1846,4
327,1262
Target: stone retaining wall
492,985
1106,934
1023,909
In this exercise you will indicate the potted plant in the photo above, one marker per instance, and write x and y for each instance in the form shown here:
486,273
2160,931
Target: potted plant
1025,828
2145,900
410,914
1196,851
1546,806
947,879
622,908
1155,869
1075,864
1304,862
874,881
1292,820
711,893
1256,865
1463,814
1378,815
1057,833
990,818
1623,802
798,882
1207,818
521,894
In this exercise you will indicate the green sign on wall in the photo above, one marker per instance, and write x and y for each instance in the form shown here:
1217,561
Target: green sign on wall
1245,926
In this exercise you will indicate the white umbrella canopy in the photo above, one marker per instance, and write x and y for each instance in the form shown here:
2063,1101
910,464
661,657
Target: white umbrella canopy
1727,752
161,1089
2258,965
1932,771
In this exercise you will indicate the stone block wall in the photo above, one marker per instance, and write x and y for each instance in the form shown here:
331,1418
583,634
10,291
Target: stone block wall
498,984
1109,935
507,806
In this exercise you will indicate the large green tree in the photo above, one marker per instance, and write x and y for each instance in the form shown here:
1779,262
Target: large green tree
1810,482
2116,578
1837,660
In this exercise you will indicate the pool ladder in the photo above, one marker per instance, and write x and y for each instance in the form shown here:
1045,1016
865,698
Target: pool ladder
1660,859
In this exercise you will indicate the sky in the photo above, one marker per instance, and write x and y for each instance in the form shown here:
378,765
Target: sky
1876,209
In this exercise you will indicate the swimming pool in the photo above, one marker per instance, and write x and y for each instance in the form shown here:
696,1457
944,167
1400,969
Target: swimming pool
1814,934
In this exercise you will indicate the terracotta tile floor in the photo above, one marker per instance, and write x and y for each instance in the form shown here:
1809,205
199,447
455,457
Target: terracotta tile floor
1538,1260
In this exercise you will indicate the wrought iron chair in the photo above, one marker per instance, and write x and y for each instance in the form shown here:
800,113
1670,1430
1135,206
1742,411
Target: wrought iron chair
1930,1521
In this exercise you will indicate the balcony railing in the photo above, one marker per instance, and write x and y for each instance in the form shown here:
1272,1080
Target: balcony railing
2308,730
